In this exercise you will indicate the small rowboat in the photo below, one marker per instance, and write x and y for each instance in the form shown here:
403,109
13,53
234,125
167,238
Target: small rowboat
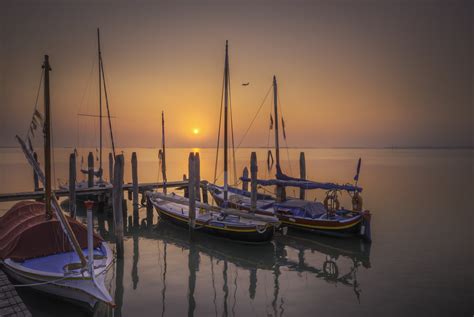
213,220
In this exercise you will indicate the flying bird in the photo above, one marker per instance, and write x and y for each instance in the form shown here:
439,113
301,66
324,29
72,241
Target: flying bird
245,84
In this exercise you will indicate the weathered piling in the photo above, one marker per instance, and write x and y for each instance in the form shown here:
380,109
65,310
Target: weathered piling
149,212
245,175
197,177
135,188
186,191
191,191
72,185
302,173
111,168
117,204
253,181
35,177
205,197
90,170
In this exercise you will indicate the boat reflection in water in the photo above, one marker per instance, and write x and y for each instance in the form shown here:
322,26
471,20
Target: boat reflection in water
214,268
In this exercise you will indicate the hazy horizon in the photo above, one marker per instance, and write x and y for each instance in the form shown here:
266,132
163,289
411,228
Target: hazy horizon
371,74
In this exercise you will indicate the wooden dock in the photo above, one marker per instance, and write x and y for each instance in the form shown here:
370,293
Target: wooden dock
10,303
87,191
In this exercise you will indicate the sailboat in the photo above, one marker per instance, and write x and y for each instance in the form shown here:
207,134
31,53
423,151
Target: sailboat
43,249
214,220
97,180
326,218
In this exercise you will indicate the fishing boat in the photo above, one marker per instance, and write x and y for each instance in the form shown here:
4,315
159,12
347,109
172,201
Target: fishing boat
45,250
325,217
222,222
95,177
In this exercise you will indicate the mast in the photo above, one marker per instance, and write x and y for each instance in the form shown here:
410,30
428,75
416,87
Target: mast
275,105
47,138
226,102
163,158
100,102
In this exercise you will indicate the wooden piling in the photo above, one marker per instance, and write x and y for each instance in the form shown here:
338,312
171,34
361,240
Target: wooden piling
197,177
111,168
191,191
90,170
35,177
149,212
245,175
72,185
253,181
302,173
205,197
135,188
186,191
117,204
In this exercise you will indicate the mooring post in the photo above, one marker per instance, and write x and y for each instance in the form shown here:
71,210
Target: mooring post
302,173
135,188
149,212
205,197
111,168
245,175
186,191
197,177
117,204
253,181
35,177
191,191
72,185
90,170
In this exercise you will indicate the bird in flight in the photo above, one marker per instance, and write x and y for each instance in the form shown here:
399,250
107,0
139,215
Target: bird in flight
245,84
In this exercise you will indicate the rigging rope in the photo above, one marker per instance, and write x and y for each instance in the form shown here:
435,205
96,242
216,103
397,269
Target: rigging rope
219,131
36,102
232,131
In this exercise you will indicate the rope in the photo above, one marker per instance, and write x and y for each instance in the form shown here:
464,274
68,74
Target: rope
36,102
232,132
219,131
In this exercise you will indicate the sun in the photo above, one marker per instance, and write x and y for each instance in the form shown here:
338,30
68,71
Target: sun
195,131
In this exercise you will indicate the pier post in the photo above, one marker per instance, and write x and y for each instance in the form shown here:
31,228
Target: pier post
117,204
191,188
72,185
245,175
149,212
35,177
253,181
135,188
186,191
205,197
111,168
197,177
302,173
90,170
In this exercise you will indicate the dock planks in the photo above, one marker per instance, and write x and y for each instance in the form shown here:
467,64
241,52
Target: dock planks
10,303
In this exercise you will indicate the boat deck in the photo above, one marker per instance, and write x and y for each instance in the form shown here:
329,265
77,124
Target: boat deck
10,303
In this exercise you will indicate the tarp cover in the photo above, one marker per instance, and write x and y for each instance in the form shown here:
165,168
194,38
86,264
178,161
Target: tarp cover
25,233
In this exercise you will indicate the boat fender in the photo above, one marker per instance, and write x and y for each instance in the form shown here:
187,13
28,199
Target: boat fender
261,229
357,202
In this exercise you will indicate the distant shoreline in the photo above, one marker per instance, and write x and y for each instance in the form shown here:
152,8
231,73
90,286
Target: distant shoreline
291,147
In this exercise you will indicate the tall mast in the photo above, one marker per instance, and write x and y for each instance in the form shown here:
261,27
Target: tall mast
163,159
275,105
100,102
47,138
226,102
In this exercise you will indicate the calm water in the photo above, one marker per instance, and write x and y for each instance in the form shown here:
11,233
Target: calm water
420,261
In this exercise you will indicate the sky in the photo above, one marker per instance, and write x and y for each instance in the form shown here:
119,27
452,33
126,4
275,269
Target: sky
350,73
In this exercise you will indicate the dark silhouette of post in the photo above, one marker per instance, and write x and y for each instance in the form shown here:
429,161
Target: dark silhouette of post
191,191
117,204
186,191
253,181
197,177
72,185
245,175
135,188
111,168
302,173
90,170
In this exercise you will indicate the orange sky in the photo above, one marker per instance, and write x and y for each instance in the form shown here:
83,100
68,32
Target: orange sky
374,74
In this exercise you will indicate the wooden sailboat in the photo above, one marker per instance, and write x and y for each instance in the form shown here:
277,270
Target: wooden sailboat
217,221
43,249
98,179
325,218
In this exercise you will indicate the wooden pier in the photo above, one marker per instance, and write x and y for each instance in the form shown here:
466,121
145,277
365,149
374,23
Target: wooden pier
10,303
